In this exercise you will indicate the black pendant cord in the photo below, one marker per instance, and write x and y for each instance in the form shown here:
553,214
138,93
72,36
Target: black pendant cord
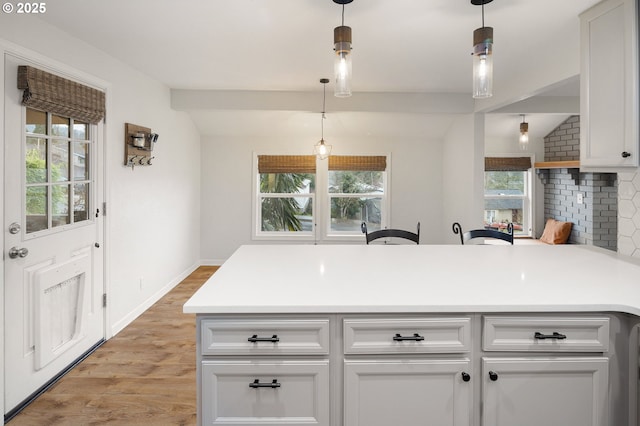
324,96
343,15
482,14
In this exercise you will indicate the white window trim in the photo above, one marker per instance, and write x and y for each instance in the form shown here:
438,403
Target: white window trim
321,208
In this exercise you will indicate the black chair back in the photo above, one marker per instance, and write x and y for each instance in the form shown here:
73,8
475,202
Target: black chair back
483,233
391,233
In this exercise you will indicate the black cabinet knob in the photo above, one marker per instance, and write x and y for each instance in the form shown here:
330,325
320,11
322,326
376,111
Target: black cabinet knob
626,154
465,377
493,376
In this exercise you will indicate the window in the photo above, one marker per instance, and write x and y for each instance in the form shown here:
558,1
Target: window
299,197
57,171
507,194
286,193
356,193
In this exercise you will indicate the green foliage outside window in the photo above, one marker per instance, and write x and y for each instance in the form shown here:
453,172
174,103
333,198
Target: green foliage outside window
283,213
36,195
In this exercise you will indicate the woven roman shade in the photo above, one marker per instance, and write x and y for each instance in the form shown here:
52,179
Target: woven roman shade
358,163
507,164
48,92
286,163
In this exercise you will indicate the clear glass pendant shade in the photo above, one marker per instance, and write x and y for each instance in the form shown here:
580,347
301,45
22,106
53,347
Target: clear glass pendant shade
483,67
342,69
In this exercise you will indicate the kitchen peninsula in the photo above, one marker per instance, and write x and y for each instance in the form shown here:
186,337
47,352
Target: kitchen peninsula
457,335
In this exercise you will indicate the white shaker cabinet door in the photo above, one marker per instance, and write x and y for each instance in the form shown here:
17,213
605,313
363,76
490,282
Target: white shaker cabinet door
407,392
545,391
609,86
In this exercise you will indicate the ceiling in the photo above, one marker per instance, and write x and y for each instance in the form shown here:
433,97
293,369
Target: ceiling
401,46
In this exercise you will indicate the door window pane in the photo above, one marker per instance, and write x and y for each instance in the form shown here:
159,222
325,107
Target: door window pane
53,162
80,202
80,164
36,122
60,126
60,205
60,160
36,160
80,131
36,208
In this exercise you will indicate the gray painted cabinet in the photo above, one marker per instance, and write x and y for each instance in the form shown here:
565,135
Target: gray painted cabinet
412,370
609,86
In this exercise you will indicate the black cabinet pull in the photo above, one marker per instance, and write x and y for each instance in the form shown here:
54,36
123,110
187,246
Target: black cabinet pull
416,337
256,384
465,377
626,154
555,335
493,376
255,338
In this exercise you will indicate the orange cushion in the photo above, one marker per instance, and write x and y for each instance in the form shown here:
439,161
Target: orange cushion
556,232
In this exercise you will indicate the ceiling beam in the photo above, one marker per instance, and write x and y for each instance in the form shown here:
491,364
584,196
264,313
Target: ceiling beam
419,103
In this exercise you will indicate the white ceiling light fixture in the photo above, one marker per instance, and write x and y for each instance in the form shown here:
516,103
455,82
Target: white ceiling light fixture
321,149
342,63
524,134
482,57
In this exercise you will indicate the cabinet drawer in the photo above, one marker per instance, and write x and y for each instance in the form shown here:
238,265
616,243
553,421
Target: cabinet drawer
407,335
292,393
265,337
546,334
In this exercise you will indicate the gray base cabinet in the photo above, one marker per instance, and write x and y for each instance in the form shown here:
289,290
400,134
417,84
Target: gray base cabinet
407,392
545,391
567,369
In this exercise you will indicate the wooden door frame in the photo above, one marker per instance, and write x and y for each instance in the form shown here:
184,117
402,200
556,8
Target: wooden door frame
8,48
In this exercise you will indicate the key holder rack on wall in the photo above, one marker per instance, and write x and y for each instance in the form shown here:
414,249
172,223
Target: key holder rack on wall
138,145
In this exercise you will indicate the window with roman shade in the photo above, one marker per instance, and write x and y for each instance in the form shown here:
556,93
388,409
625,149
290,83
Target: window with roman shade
57,95
286,193
300,197
507,193
356,192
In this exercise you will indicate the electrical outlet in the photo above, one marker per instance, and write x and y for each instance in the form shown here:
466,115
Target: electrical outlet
580,198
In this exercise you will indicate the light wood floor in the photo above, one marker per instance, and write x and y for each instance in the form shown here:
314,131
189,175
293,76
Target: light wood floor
144,375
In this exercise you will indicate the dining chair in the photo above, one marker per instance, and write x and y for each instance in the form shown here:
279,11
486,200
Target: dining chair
391,233
483,233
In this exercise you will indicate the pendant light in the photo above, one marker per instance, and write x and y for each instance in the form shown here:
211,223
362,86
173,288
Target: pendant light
482,57
342,63
524,134
321,149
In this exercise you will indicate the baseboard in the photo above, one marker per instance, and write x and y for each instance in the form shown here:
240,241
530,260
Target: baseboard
128,319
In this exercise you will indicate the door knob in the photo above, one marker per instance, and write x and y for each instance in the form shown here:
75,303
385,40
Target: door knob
16,252
14,228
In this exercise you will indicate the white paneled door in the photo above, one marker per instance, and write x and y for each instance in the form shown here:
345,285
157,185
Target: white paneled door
53,260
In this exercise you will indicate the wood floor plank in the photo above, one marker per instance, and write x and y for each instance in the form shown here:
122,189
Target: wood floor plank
146,375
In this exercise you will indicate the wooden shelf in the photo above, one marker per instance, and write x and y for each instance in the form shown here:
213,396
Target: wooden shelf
557,165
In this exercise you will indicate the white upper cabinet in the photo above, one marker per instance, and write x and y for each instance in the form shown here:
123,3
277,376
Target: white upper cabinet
609,86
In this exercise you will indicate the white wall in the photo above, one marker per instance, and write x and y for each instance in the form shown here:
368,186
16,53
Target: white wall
153,213
416,171
463,175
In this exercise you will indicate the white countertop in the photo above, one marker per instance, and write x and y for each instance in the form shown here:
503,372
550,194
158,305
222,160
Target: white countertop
424,278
